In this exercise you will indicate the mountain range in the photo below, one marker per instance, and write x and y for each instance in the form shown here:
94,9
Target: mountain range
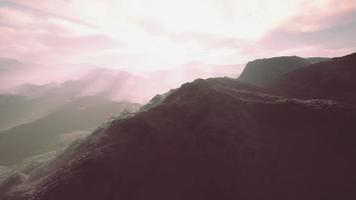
285,134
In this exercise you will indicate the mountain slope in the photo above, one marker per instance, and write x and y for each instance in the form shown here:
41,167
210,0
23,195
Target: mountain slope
210,139
334,79
15,110
42,135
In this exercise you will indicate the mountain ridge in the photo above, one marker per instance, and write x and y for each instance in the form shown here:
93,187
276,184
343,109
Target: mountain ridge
332,79
214,138
262,72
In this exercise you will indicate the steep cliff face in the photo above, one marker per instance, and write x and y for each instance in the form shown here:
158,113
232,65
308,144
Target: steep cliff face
306,78
333,79
263,72
209,139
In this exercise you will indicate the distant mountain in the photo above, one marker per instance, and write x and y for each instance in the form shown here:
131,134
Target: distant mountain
29,102
8,68
16,72
42,135
8,65
263,72
39,101
18,109
31,80
209,139
114,84
333,79
13,110
119,85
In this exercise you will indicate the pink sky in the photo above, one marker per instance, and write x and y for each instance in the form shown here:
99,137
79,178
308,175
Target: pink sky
146,35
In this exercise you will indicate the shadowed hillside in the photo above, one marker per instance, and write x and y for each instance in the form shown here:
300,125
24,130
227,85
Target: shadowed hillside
263,72
334,79
210,139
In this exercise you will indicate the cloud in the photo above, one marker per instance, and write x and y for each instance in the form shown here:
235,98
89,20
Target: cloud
35,36
319,15
328,33
160,34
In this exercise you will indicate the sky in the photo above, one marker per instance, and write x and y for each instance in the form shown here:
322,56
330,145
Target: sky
151,35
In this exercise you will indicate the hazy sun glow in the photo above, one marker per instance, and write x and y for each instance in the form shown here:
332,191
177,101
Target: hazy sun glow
159,34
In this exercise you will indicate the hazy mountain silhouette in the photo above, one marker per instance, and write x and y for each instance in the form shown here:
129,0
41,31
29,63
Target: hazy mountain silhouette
32,102
29,102
42,135
15,110
209,139
8,65
115,83
16,72
263,72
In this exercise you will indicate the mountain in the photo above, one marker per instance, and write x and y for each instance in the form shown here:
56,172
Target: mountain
333,79
16,72
68,121
114,83
263,72
210,139
8,65
8,68
29,102
14,109
119,85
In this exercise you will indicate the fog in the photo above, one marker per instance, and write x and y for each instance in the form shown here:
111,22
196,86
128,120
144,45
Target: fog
32,80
